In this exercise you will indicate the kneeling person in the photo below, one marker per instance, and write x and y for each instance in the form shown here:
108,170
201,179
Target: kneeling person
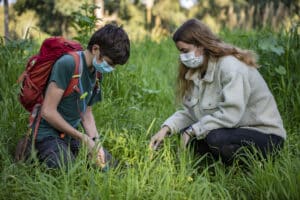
58,138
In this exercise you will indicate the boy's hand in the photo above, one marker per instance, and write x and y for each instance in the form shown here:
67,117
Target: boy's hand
100,159
96,151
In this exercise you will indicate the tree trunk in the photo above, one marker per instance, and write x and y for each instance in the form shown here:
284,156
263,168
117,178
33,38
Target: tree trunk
149,5
149,16
99,13
6,20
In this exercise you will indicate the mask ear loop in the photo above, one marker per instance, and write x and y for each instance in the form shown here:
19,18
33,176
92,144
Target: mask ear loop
203,50
101,57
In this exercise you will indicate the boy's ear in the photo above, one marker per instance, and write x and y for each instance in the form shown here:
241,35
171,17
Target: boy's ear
95,48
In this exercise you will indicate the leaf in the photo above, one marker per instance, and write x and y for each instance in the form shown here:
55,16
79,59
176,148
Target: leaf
267,43
150,91
270,44
280,70
278,50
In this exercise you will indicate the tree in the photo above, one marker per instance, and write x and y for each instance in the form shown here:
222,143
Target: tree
54,16
149,6
99,12
6,19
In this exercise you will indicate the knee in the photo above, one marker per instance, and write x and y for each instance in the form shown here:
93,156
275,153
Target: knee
53,162
214,138
228,151
56,158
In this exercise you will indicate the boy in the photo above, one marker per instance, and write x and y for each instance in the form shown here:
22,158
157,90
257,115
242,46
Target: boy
58,139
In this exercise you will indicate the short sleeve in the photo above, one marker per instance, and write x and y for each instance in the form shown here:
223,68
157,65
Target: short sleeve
62,71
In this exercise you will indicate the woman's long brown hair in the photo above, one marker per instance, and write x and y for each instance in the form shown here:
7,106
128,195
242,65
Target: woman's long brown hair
195,32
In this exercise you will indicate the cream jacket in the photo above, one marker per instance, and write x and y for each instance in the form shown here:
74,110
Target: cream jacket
230,95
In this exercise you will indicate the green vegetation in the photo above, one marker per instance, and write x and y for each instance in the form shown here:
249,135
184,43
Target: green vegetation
138,97
154,18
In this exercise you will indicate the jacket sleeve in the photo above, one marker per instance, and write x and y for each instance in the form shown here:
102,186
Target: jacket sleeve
235,93
179,120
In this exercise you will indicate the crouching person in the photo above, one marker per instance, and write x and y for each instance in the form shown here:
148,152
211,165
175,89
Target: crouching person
58,138
227,103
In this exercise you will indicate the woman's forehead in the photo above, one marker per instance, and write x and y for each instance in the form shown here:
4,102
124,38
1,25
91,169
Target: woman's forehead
183,45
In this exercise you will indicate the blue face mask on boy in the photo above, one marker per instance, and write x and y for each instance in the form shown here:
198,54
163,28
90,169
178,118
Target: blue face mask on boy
102,67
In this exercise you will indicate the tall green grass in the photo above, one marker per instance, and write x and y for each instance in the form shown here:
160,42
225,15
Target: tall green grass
137,98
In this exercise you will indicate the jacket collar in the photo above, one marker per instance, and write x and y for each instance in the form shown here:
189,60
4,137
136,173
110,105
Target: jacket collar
196,76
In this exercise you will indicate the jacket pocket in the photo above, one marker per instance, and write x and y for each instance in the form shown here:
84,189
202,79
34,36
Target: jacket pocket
190,101
210,103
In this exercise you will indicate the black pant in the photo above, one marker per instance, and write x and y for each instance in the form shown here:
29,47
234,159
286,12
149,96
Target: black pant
226,142
56,152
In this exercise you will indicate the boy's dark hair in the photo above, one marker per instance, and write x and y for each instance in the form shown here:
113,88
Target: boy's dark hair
113,41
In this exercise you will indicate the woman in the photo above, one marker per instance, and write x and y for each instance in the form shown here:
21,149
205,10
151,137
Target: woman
227,103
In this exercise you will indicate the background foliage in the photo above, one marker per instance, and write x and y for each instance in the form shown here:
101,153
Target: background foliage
138,97
157,20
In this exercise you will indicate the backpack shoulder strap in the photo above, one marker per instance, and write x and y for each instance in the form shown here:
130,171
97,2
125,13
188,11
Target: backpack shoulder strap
73,85
98,79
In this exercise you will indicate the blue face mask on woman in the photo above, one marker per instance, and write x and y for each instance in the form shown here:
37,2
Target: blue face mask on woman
102,67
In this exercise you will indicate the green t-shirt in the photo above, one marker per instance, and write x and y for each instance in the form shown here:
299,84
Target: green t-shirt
70,106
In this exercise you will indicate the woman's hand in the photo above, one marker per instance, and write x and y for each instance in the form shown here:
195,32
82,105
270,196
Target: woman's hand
185,138
158,138
187,135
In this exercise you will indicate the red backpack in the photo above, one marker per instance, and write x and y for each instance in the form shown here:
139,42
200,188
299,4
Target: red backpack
35,77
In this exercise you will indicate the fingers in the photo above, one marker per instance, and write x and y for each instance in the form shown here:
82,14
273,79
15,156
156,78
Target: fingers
98,156
185,139
96,152
101,157
157,139
89,142
154,144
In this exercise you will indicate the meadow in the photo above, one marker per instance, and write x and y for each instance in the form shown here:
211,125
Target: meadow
137,98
